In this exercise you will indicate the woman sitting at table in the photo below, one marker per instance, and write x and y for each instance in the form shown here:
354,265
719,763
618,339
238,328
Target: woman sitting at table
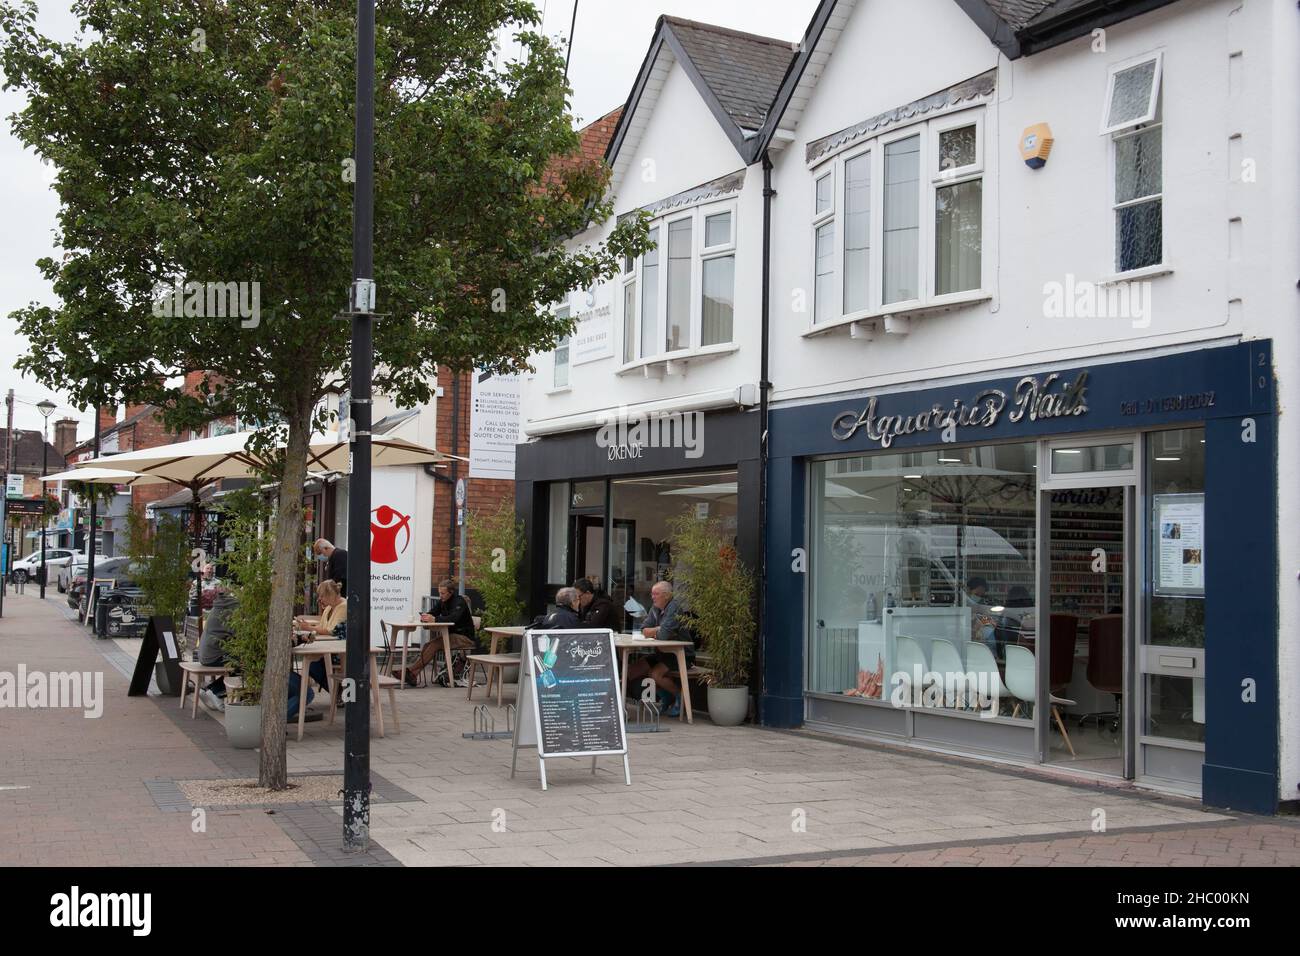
333,612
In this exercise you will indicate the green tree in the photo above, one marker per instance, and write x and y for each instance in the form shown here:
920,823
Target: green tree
495,549
205,142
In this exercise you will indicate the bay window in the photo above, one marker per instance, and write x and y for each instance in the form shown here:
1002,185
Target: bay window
689,303
908,205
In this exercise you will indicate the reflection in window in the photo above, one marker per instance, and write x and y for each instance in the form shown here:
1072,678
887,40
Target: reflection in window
933,547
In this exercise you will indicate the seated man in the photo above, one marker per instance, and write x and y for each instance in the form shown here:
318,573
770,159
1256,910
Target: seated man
596,607
564,617
216,631
663,623
449,608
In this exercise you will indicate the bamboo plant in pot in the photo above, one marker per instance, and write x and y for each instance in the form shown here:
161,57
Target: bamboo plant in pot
715,589
248,565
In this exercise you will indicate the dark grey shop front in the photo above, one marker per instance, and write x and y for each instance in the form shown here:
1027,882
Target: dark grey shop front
596,503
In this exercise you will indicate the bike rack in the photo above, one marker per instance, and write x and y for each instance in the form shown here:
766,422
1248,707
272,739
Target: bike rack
485,724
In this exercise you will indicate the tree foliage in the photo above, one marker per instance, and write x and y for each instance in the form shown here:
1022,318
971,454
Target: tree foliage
209,141
495,549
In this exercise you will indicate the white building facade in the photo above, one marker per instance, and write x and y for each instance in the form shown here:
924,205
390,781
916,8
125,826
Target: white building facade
1030,338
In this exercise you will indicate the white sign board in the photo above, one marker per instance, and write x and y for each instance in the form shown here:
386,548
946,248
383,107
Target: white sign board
13,486
392,548
494,420
593,339
1178,526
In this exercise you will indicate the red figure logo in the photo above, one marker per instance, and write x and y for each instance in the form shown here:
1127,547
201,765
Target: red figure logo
384,526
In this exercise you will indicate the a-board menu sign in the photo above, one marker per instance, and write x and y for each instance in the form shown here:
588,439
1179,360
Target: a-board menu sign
570,698
159,639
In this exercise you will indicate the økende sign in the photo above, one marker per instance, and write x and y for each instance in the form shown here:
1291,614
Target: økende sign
1030,400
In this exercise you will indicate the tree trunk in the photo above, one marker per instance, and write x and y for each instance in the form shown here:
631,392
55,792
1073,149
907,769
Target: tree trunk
272,772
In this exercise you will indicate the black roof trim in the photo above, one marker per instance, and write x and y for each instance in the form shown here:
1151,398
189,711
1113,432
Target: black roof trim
1056,23
745,143
812,36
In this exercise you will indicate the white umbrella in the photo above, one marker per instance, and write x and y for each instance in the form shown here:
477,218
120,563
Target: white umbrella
203,460
106,476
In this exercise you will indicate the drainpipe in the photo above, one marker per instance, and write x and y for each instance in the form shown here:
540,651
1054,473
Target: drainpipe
763,387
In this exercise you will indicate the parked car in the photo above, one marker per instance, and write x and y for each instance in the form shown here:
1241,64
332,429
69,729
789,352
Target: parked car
29,568
76,566
118,569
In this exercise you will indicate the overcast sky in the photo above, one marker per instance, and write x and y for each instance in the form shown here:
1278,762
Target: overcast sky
610,41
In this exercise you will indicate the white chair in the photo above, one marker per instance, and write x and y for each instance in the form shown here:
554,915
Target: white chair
908,656
1022,683
946,661
981,662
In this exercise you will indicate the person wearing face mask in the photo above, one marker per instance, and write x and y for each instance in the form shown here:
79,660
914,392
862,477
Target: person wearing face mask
336,561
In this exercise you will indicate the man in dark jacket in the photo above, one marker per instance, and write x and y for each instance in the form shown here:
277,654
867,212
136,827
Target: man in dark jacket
564,617
336,563
447,608
596,607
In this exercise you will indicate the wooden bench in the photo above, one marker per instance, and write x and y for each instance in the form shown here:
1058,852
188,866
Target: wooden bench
192,672
493,666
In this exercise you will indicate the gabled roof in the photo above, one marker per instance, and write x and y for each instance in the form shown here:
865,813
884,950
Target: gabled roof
737,75
1023,27
1016,27
29,451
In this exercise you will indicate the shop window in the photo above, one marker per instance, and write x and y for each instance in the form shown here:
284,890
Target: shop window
641,546
935,548
1175,467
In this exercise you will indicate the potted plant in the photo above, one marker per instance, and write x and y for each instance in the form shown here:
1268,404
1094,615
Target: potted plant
716,591
248,562
496,548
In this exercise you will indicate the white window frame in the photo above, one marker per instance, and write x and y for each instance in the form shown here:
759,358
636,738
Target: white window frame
562,344
931,180
697,214
702,254
1151,119
631,276
834,170
1149,114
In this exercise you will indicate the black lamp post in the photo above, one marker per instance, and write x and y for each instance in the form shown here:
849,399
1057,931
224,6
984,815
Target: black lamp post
46,408
356,735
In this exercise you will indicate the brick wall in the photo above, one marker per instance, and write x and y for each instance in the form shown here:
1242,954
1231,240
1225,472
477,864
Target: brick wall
482,494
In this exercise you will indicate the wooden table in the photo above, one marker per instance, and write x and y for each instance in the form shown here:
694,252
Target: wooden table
627,643
503,632
407,628
322,649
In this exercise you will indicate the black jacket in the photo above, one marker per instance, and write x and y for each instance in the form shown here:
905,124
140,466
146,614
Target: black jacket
561,619
337,568
601,612
456,613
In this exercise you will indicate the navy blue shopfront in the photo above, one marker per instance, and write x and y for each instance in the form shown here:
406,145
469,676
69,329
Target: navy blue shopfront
1222,396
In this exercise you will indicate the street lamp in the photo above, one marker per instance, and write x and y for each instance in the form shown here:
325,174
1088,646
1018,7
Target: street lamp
46,408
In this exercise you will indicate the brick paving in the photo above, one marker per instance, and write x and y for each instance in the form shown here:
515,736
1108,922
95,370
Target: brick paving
99,793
